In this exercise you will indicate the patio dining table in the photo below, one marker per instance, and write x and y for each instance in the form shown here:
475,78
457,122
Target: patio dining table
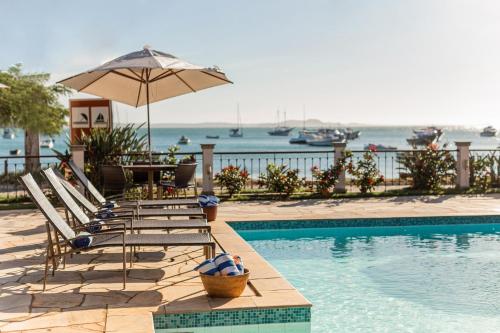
150,169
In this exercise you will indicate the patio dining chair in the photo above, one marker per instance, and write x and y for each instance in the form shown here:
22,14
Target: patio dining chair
101,201
61,236
183,179
132,224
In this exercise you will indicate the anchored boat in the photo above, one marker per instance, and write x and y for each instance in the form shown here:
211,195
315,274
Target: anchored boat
47,143
184,140
489,131
425,136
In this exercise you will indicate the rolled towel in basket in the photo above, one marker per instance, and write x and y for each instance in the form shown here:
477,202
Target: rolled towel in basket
226,264
208,267
239,264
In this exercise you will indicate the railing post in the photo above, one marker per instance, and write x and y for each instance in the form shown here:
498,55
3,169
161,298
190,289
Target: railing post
77,155
207,168
463,165
338,152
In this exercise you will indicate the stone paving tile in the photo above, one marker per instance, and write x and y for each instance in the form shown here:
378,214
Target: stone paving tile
87,296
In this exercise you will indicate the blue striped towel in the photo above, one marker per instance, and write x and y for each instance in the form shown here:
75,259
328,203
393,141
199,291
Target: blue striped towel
110,204
105,214
226,265
94,226
208,267
82,240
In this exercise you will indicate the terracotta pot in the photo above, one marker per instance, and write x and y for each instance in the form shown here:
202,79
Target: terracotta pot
211,213
225,286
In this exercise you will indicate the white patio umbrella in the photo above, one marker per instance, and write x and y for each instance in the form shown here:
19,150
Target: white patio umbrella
144,77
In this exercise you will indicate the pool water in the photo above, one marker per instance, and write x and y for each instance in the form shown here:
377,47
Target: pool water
439,278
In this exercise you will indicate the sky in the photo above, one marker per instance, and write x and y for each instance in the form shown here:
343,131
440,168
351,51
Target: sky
380,62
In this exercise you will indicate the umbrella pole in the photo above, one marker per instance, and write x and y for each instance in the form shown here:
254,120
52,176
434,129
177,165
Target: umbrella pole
149,124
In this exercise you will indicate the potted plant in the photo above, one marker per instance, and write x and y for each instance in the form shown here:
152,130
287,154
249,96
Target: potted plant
209,205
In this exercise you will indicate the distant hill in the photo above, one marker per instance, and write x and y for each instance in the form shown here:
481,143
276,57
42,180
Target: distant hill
314,123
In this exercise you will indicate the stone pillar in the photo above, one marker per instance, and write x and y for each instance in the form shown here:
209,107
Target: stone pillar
463,167
338,149
77,155
207,168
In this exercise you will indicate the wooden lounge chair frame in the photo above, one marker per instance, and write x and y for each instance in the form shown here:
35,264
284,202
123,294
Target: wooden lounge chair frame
63,191
60,235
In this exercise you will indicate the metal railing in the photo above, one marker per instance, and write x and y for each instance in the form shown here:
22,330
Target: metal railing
255,162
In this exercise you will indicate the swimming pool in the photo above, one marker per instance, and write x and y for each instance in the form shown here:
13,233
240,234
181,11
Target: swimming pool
421,276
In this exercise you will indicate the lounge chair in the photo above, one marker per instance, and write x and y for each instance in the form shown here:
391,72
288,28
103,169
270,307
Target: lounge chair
61,235
131,224
92,191
136,211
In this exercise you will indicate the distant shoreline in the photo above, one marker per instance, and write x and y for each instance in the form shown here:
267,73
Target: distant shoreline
299,125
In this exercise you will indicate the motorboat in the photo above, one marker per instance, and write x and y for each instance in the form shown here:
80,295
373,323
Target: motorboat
489,131
380,147
15,152
8,133
324,140
425,136
212,137
350,134
47,143
184,140
303,136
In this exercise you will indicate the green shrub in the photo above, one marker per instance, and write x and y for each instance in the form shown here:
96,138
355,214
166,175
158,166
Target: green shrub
482,172
428,168
327,179
365,172
280,179
104,147
232,178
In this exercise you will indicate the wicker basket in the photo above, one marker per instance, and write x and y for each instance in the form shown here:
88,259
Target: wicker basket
225,286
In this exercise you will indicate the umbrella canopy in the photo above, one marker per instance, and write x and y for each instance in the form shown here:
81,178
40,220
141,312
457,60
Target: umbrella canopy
3,86
144,77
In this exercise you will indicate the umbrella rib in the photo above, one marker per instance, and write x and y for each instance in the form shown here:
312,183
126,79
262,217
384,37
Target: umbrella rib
93,81
125,75
136,75
184,82
164,75
140,88
210,74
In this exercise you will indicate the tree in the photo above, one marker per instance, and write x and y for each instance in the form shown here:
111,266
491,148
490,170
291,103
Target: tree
32,105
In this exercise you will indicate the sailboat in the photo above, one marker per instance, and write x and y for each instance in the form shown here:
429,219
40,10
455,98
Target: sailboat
238,131
280,130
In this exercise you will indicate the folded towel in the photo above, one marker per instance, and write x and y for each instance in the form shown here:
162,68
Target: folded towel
94,226
82,240
225,264
239,264
208,267
208,200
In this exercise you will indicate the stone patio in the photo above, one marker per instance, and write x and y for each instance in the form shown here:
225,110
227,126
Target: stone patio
87,296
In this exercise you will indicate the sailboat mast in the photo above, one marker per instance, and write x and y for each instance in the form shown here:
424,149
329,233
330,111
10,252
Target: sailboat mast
303,117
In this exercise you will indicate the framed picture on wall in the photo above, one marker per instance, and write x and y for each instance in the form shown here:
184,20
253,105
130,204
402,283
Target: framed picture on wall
100,117
80,117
